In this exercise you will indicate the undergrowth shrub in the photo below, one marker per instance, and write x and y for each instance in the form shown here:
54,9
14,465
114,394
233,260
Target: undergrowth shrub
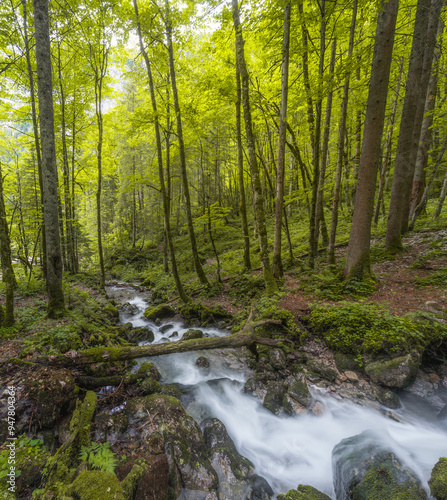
329,285
360,328
437,278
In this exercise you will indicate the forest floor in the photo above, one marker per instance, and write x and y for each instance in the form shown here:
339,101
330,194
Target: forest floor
413,280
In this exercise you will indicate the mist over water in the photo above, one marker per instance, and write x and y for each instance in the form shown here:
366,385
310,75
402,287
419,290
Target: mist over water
288,451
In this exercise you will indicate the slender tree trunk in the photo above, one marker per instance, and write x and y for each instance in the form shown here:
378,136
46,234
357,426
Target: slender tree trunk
7,269
313,222
240,170
341,138
319,215
164,195
35,127
357,263
67,200
389,141
402,167
271,285
56,306
184,175
441,199
277,263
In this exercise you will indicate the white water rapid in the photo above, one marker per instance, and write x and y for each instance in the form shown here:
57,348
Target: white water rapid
288,451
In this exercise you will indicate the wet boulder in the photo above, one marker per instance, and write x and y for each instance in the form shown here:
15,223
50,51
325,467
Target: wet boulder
395,373
150,386
149,370
438,480
235,472
322,370
274,399
184,443
299,391
141,334
365,468
192,335
304,492
53,392
203,362
159,312
110,427
129,308
165,328
278,359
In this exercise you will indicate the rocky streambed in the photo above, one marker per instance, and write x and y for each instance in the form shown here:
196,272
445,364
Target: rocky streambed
283,420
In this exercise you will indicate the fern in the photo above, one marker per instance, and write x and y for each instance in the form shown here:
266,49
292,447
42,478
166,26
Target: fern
99,456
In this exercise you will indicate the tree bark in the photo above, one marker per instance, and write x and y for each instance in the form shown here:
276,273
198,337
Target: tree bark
5,254
341,139
271,286
197,264
167,223
277,262
357,263
405,143
56,306
240,170
245,338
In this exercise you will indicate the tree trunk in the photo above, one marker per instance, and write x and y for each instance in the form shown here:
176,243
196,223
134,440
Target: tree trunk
357,263
245,338
167,222
197,264
441,199
426,133
35,128
258,201
341,139
402,166
56,305
7,269
240,170
277,262
319,215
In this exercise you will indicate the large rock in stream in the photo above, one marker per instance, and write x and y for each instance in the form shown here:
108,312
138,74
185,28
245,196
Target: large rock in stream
365,468
394,373
236,473
191,473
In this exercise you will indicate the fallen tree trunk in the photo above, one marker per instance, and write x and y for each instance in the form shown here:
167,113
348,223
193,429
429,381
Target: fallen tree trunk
245,338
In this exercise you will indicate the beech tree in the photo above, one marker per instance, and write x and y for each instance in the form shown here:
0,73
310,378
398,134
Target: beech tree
56,305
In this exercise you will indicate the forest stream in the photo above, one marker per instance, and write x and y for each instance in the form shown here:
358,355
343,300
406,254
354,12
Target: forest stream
284,450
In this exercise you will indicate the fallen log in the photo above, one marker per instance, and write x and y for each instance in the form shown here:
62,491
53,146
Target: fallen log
244,338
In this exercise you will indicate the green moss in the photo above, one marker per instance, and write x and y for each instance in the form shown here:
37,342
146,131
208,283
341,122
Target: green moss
303,492
111,311
196,310
150,386
96,485
149,369
438,480
159,312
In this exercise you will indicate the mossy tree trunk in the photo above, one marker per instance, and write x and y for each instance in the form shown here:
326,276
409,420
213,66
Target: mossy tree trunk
167,224
277,262
357,263
56,305
240,171
192,237
7,270
258,199
340,146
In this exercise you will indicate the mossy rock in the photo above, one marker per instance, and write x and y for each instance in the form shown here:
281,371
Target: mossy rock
110,427
192,335
96,485
274,399
111,311
299,391
150,370
150,386
183,438
141,334
438,480
345,362
396,373
171,390
159,312
304,492
197,311
54,395
322,370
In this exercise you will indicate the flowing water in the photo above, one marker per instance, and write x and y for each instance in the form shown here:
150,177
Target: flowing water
288,451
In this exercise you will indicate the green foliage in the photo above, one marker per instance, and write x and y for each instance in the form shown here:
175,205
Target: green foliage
245,287
359,328
330,286
437,278
267,307
26,449
99,456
